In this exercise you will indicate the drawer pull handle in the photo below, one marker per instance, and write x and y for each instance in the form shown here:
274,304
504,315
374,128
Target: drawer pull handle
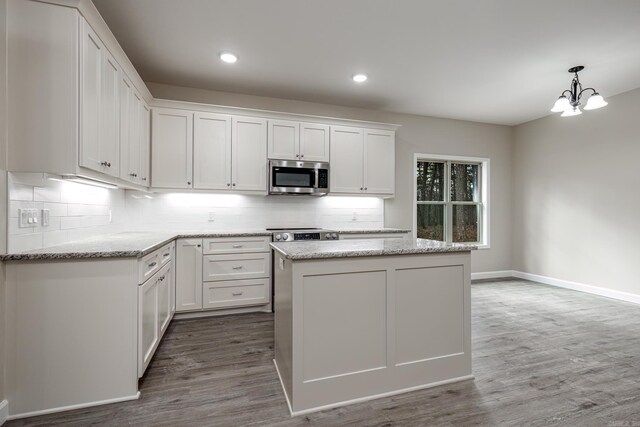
167,254
153,264
237,246
236,294
239,267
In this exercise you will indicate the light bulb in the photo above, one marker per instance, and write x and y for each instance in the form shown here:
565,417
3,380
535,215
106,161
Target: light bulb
360,78
595,101
561,104
228,57
571,111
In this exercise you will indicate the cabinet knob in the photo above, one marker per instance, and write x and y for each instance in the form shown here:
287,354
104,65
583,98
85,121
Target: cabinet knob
301,155
361,188
188,182
365,188
228,184
233,185
198,246
133,174
144,179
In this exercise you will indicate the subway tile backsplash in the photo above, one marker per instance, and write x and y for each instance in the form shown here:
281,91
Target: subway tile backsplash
79,211
76,211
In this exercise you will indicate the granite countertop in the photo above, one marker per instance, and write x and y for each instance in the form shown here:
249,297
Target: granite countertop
128,244
359,248
375,231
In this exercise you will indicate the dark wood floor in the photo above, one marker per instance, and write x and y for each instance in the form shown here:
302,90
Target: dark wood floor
542,356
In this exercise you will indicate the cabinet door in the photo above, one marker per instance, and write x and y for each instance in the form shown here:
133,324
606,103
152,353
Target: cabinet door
347,149
172,148
147,323
283,140
188,274
379,162
249,154
211,151
109,143
133,145
126,93
145,143
314,142
91,86
164,301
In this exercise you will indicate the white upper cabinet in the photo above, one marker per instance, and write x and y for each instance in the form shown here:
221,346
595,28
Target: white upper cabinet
379,162
314,142
172,148
145,144
135,131
347,161
288,140
211,151
99,76
249,154
283,140
362,161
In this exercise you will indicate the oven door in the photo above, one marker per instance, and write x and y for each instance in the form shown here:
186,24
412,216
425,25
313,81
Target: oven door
291,177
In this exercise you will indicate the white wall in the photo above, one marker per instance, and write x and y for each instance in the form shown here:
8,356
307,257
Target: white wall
76,211
576,208
418,134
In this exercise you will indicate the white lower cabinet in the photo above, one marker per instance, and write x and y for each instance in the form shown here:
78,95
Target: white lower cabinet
155,306
230,272
188,275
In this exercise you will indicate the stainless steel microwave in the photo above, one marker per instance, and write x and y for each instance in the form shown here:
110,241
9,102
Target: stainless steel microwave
299,178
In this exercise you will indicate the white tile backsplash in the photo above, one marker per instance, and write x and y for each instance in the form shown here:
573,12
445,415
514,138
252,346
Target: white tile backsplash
79,211
76,211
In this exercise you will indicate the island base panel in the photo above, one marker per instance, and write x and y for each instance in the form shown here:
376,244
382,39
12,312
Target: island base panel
353,329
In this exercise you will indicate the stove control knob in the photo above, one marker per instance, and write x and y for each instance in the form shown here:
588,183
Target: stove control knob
285,236
278,237
335,235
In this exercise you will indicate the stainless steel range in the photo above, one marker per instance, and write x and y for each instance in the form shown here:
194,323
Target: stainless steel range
296,235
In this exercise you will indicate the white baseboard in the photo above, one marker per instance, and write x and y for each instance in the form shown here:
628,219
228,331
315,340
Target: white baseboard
491,275
4,411
590,289
72,407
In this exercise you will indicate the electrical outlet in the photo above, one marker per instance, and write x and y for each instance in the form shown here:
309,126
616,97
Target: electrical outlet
354,217
212,216
45,217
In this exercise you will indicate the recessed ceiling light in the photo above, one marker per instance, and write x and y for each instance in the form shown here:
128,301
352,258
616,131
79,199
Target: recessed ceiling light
228,57
359,78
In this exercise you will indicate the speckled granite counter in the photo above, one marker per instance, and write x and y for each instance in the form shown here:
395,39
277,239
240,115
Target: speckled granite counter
375,231
132,244
360,248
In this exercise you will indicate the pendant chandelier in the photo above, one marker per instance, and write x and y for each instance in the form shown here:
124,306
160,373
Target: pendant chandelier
569,101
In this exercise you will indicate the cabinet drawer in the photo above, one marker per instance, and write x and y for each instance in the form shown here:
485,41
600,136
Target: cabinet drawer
236,266
229,245
166,253
148,266
235,293
151,263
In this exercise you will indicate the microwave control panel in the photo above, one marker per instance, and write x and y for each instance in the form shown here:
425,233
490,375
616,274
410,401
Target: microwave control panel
323,178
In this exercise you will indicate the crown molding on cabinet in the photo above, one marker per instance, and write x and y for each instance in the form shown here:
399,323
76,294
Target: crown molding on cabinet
267,114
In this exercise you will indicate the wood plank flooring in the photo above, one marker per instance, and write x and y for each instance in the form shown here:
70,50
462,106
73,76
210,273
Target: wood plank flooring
542,356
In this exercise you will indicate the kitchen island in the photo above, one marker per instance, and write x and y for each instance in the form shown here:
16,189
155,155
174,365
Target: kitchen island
361,319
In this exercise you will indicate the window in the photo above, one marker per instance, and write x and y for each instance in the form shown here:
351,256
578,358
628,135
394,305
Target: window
451,195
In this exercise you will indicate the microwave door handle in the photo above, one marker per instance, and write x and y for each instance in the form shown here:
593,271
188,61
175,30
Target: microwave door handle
315,184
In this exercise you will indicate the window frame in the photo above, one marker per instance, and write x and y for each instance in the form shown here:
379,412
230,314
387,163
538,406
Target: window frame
483,195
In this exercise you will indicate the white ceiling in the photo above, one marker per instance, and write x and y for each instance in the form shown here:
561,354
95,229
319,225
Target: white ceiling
494,61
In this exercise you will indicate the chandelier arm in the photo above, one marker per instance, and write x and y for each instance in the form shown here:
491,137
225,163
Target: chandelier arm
562,94
584,90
